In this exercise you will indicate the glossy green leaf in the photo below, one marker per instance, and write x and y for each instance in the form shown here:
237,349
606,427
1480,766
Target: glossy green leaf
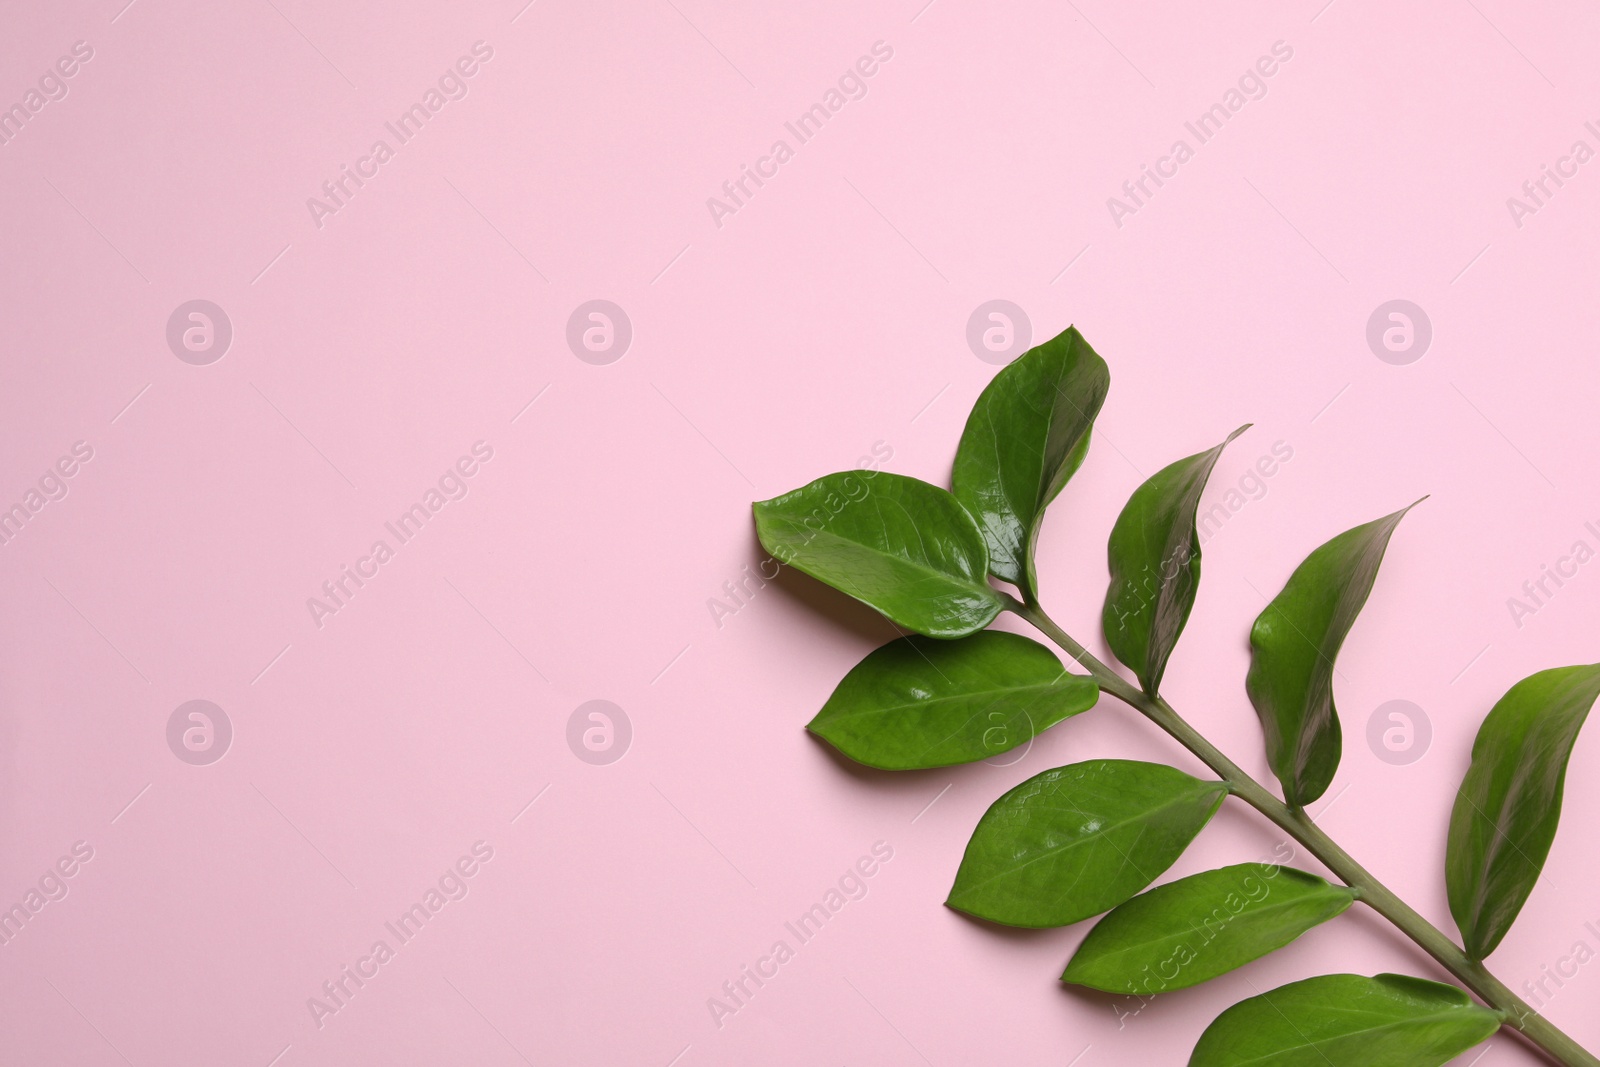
1155,566
1347,1020
1293,645
1510,801
1191,930
1078,840
1027,434
918,703
895,543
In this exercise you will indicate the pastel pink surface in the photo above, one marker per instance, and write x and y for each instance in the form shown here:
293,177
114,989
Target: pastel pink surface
823,316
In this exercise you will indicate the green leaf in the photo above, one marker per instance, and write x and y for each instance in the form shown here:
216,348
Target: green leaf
1347,1020
1155,566
1191,930
1027,434
1188,931
1293,645
918,703
894,543
1510,801
1075,841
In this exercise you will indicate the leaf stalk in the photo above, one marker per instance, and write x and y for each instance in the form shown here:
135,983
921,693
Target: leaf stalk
1515,1013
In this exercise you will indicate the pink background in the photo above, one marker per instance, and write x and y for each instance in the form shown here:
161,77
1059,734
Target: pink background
828,314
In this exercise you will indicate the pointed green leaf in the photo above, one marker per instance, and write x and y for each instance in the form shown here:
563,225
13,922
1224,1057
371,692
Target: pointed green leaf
1027,434
1155,566
918,703
1510,801
894,543
1293,645
1191,930
1347,1020
1075,841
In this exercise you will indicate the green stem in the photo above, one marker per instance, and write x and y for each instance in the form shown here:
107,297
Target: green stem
1515,1012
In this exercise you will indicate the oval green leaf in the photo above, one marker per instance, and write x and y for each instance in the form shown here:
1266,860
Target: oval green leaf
1078,840
1293,645
897,544
1155,566
1027,434
1508,805
1347,1020
918,703
1189,931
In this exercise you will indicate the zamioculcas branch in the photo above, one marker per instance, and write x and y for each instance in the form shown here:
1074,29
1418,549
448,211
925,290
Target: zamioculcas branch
1089,838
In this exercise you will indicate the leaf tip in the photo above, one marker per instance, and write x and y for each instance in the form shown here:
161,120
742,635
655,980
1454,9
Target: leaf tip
1393,518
